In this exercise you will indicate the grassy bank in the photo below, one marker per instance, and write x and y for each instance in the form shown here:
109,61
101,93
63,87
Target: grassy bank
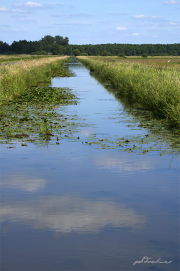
150,87
13,58
16,79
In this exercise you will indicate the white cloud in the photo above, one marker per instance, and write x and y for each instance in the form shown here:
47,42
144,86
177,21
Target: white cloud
139,16
28,5
121,28
82,15
14,29
135,34
172,23
19,10
10,30
26,20
146,17
171,3
4,9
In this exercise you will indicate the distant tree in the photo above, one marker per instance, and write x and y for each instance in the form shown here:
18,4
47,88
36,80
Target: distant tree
144,55
66,41
121,55
47,43
59,40
104,53
5,47
58,49
48,39
42,52
84,54
77,52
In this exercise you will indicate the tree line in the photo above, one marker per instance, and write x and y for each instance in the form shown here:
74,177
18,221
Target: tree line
48,44
127,49
58,46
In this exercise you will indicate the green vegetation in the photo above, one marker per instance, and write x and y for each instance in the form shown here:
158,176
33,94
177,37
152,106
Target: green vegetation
49,44
42,52
144,55
127,49
16,79
122,55
59,45
34,117
152,88
15,58
77,52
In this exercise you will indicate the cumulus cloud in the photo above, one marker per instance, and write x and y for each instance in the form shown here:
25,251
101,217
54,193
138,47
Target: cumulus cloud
121,28
28,5
18,10
135,34
4,9
171,3
71,214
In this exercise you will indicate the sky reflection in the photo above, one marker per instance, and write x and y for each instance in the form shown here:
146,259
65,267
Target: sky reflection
71,214
23,183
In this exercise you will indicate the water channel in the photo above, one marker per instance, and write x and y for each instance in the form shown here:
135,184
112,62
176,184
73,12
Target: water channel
84,204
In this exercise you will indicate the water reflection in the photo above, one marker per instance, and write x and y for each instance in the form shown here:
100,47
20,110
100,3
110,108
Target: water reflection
24,183
124,163
71,214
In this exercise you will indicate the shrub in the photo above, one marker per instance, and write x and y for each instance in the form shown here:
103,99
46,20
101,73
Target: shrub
121,55
42,52
144,55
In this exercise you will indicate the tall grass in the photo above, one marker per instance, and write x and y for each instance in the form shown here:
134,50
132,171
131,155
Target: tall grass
153,88
15,79
12,58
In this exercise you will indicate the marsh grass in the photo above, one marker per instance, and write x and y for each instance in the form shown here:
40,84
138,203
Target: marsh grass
152,88
12,58
18,78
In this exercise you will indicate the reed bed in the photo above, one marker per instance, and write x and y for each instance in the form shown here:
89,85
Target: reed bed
153,88
17,78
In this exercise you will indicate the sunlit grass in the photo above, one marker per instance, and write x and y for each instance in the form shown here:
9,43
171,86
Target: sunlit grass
17,78
152,87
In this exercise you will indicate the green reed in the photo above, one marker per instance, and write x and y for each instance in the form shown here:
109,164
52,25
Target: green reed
150,87
18,78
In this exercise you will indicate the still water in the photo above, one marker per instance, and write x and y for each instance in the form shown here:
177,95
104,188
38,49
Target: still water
78,206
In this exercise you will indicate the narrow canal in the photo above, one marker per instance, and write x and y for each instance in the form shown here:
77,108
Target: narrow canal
103,198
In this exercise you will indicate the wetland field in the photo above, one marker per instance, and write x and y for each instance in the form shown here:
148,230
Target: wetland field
89,174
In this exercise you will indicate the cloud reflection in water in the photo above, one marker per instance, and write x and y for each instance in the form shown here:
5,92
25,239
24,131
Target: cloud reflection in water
71,214
24,183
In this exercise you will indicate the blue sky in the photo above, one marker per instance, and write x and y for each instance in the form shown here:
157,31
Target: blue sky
91,21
